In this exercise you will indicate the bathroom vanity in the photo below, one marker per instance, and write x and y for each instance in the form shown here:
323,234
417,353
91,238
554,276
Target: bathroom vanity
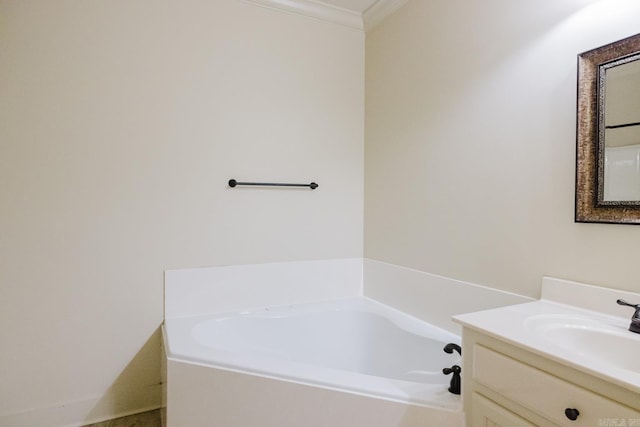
548,363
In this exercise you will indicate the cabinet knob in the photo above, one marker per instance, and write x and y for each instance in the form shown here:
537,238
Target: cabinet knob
572,413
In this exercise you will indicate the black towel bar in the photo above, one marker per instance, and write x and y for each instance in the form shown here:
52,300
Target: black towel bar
233,183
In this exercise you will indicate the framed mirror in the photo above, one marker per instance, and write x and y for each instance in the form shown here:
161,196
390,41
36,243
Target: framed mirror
608,134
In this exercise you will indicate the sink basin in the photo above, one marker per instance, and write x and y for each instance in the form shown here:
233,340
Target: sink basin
605,340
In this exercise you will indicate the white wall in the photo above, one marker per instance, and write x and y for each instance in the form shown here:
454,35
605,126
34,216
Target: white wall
470,142
120,125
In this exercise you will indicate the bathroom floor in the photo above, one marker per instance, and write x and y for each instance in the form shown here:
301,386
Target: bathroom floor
144,419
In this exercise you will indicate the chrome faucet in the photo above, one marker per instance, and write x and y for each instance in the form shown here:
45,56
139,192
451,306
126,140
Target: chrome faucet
635,319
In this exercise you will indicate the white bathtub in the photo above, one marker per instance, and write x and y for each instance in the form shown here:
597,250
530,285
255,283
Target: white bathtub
377,365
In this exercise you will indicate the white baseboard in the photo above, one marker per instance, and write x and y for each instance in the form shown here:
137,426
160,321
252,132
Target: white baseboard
82,412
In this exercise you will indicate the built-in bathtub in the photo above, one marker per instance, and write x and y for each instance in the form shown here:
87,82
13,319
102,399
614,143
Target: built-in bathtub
346,362
231,362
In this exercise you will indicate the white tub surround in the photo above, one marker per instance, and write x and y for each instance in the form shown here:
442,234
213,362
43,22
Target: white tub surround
432,298
429,297
572,346
196,291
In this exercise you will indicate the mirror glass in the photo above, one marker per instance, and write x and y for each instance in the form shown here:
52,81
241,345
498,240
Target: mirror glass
608,134
619,159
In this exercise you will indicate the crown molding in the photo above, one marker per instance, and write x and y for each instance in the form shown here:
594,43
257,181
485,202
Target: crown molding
315,9
337,15
379,11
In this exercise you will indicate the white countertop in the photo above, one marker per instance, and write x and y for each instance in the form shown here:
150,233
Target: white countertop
519,325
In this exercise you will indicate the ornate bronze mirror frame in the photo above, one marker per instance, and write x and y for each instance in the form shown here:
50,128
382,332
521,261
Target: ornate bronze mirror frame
592,202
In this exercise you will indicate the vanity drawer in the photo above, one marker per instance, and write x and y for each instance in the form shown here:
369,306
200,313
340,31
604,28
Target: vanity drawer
544,393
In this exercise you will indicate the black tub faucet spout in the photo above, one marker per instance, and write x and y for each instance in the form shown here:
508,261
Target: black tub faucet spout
452,346
635,319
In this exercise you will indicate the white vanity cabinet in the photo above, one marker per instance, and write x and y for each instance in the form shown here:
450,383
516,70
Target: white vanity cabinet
508,386
486,413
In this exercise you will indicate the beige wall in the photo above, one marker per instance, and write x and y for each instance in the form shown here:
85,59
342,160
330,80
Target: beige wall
120,125
470,142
